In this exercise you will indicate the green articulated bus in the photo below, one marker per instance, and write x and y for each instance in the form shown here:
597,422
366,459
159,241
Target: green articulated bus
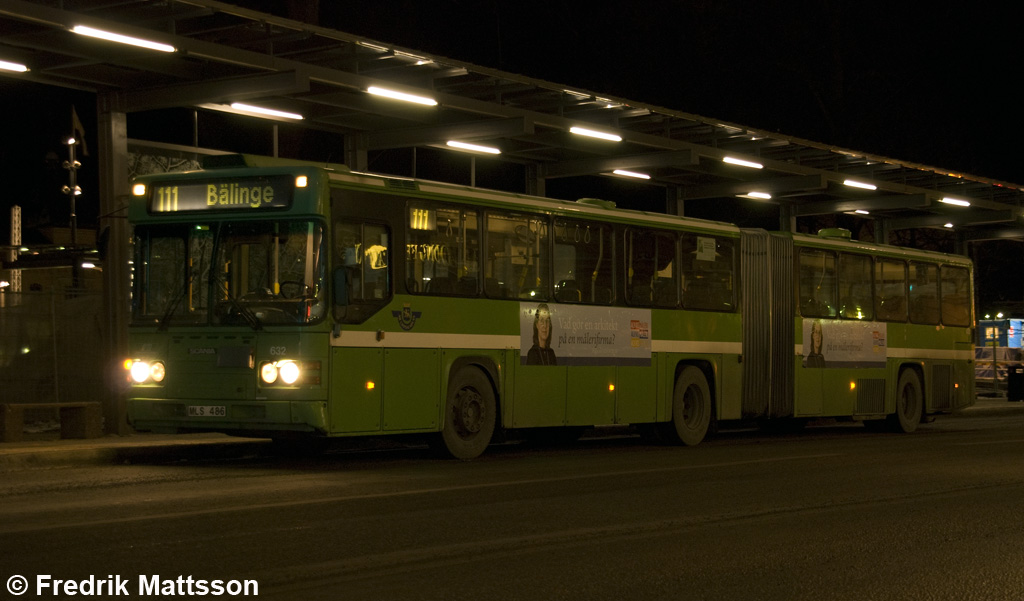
278,299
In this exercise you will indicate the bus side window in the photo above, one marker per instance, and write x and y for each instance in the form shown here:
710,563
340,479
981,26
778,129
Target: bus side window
924,292
856,301
584,263
442,254
517,257
817,284
650,275
956,296
362,274
708,270
891,290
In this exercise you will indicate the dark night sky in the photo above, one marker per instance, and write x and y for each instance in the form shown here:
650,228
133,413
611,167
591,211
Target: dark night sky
932,83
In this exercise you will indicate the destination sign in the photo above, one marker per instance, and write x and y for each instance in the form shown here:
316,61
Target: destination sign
222,195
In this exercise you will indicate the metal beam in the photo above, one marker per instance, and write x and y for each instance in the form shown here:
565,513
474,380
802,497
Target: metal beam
220,90
965,218
677,158
471,131
774,186
878,203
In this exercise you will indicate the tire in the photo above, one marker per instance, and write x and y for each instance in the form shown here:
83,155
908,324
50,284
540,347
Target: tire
909,403
470,415
691,409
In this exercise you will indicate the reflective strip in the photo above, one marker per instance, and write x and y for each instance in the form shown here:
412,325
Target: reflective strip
696,346
360,339
915,353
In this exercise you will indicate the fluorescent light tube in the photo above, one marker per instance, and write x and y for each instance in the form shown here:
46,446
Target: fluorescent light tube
122,39
259,110
742,163
376,91
6,66
855,184
473,147
955,201
582,131
625,173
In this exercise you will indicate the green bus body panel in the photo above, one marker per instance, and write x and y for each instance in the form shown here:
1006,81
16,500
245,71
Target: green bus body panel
389,374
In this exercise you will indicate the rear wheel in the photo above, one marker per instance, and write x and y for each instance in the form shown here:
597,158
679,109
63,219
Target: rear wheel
691,408
909,402
470,414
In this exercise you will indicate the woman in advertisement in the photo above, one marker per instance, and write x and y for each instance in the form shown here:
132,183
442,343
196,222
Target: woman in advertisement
541,352
815,358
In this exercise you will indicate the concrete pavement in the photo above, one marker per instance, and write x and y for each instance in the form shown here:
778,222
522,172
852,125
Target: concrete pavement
160,448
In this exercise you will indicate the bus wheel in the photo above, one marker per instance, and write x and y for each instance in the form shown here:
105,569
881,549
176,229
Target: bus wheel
691,408
470,414
909,402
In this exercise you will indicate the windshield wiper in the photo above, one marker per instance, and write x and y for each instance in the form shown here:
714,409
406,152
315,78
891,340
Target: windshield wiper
247,314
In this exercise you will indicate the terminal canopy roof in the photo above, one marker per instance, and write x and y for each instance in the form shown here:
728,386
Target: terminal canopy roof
224,54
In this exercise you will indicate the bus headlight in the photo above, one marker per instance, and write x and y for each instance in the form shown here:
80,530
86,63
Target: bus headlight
268,373
145,371
289,371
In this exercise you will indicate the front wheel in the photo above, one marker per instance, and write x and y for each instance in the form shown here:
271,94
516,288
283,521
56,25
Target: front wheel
470,414
909,402
691,408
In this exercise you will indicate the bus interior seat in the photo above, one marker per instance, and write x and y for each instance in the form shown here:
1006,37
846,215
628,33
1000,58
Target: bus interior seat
567,291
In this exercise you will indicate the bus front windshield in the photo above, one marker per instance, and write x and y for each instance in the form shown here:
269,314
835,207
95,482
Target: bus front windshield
252,273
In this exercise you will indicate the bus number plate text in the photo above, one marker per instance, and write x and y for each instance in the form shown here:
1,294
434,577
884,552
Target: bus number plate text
207,411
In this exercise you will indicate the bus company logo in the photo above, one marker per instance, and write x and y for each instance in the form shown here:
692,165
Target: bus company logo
406,317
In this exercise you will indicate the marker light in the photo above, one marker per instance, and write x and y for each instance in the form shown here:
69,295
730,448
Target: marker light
301,181
139,189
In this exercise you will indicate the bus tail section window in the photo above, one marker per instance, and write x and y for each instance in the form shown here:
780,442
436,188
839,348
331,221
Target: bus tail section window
708,269
442,250
924,292
817,284
650,269
362,274
891,290
517,263
855,296
956,296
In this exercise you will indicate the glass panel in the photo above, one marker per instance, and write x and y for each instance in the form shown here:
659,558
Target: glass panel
584,263
650,269
269,272
442,251
855,297
891,290
709,271
171,272
817,283
956,296
516,264
924,293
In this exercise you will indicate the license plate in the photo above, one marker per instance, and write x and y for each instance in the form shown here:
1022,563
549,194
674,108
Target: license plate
207,411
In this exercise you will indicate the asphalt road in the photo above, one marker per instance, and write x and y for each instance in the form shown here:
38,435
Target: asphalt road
830,513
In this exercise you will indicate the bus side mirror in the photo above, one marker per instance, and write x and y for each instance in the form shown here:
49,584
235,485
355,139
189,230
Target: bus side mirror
341,286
